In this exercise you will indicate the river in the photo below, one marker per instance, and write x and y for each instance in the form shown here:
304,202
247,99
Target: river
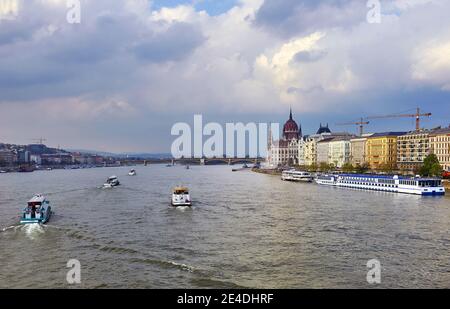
246,230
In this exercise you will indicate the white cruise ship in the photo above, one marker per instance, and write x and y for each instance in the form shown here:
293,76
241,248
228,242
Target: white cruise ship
297,176
396,184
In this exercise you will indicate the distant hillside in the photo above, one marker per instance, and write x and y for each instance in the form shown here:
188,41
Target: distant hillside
124,155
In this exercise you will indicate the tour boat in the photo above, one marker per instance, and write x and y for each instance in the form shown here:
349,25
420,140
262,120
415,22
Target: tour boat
396,184
297,176
181,197
132,173
37,211
111,182
3,172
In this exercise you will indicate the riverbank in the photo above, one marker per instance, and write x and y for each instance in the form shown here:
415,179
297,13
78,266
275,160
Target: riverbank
446,184
273,172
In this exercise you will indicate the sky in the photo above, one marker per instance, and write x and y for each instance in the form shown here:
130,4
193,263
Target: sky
119,80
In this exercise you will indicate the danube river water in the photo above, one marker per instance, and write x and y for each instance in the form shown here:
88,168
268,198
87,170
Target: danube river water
246,230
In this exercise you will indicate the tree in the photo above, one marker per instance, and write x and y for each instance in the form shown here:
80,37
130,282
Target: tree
362,168
313,167
387,168
348,168
324,167
431,167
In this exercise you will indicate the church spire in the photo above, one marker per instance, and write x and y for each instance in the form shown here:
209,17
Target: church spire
290,113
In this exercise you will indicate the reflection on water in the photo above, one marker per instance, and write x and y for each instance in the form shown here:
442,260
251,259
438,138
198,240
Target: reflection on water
245,230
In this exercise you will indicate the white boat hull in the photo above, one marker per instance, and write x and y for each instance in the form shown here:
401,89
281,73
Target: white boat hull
395,187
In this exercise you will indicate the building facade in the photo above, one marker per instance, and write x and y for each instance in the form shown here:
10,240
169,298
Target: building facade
358,150
381,150
323,151
285,152
440,146
412,149
340,151
7,157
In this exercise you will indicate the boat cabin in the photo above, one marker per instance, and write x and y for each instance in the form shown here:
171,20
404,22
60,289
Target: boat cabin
181,191
33,211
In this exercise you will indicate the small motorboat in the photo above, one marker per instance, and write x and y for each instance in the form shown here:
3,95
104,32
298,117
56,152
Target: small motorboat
3,172
132,173
37,211
181,197
111,182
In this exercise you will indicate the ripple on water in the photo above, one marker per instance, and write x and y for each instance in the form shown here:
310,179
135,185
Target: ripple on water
245,230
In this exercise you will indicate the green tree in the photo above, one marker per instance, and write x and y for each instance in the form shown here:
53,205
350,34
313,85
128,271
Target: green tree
362,168
324,167
348,168
312,167
386,168
431,167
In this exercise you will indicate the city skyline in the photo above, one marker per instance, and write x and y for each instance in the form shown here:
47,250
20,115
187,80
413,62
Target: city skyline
120,79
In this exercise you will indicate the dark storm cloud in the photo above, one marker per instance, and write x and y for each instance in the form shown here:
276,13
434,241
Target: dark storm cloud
177,42
291,17
42,56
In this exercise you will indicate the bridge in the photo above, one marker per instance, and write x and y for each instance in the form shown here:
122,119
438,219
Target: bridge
218,161
196,161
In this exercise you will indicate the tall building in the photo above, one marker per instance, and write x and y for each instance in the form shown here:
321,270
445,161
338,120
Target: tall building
323,150
312,153
285,151
382,150
358,150
440,146
7,157
310,145
340,151
412,149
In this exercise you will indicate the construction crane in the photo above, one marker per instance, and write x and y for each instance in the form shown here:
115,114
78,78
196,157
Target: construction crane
417,115
360,123
39,141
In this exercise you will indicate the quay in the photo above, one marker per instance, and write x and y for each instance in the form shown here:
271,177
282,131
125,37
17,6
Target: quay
273,172
446,184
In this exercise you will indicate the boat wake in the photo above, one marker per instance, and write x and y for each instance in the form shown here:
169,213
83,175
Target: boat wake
13,227
33,231
182,208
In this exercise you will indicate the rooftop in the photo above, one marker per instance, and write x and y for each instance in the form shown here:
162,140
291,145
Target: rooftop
385,134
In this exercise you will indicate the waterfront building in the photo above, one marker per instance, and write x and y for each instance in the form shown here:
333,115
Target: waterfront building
7,157
36,159
301,151
23,156
340,151
286,150
57,158
311,152
412,149
310,144
323,150
358,150
381,150
440,146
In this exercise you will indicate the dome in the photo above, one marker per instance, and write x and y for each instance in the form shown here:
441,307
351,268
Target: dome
323,129
291,129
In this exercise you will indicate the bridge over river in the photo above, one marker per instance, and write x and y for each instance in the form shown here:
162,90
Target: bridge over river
197,161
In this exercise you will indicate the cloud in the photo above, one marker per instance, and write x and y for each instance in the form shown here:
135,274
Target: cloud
176,43
432,64
130,60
